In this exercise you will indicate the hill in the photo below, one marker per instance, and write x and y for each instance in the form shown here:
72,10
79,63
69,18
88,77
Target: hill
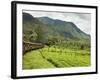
65,29
41,29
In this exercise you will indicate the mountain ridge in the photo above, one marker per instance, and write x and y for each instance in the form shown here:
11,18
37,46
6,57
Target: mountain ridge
60,23
52,28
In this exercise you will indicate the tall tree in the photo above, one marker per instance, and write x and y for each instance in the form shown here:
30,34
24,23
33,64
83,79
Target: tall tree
40,34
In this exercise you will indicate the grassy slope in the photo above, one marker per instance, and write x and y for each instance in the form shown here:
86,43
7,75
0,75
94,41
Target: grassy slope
56,57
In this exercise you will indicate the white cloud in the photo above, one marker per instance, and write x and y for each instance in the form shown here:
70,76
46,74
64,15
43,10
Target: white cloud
82,20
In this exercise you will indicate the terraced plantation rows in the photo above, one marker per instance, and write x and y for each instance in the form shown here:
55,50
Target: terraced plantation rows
56,58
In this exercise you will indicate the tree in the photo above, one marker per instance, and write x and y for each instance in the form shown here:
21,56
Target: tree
82,47
32,37
50,42
40,34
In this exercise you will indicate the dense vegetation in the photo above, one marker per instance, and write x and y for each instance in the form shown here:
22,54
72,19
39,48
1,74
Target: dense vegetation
64,44
54,56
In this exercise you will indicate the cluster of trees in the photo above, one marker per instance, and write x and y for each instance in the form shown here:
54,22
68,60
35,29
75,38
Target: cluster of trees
35,34
75,44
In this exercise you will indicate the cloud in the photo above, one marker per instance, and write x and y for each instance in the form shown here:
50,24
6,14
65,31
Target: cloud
84,16
82,20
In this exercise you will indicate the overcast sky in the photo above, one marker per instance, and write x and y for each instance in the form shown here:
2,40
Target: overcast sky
82,20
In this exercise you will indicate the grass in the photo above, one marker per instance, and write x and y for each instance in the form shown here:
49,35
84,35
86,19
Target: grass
56,58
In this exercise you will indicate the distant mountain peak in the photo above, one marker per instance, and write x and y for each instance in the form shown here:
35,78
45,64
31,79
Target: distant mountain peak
27,16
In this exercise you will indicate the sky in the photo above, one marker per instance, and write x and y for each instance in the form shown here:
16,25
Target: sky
81,20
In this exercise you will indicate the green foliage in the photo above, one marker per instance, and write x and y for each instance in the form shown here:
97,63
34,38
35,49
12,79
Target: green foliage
34,61
59,57
40,34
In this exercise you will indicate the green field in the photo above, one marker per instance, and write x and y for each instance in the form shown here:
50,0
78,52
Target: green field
56,57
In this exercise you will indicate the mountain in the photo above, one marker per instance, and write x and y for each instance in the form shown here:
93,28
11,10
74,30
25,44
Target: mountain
32,27
43,28
67,29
